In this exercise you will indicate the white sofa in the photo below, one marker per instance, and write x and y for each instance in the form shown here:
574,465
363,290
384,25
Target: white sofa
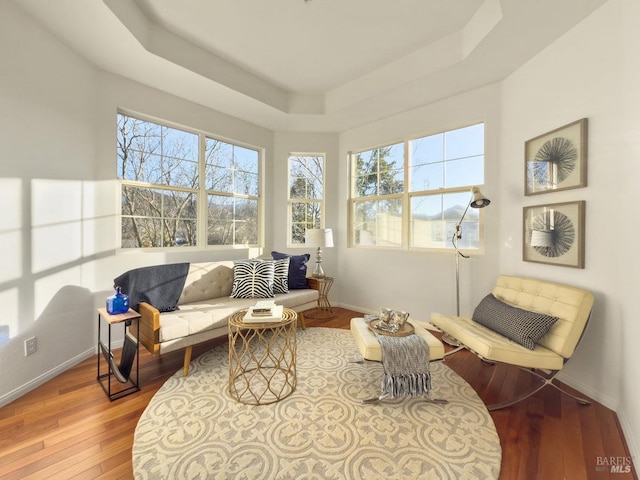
205,306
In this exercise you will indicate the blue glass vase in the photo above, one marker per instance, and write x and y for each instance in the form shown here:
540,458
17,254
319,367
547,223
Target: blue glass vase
118,302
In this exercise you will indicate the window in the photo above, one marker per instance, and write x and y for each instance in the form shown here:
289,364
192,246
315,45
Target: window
182,188
378,191
232,183
306,195
420,186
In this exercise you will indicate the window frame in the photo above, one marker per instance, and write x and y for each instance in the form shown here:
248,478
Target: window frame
304,200
406,243
201,192
377,198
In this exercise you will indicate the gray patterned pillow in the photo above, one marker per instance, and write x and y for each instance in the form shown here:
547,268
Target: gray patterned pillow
252,279
521,326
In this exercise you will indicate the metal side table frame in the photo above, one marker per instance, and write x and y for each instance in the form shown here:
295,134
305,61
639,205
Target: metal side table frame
123,370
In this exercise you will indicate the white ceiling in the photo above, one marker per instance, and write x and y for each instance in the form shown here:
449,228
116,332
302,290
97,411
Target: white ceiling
275,40
315,65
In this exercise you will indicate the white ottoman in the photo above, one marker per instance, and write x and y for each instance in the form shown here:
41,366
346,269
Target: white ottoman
370,347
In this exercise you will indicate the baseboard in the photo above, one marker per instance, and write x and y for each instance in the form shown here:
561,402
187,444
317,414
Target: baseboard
599,397
372,311
634,448
611,404
45,377
356,308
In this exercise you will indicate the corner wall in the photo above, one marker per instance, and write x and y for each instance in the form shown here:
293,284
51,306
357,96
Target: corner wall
286,143
592,72
60,196
421,282
47,153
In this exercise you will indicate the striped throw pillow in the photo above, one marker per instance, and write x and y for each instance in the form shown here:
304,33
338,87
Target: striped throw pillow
252,279
281,275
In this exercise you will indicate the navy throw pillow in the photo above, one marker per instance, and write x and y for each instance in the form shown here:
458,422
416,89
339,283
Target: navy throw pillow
297,278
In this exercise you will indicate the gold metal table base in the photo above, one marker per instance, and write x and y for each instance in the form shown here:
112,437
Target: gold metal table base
323,310
262,359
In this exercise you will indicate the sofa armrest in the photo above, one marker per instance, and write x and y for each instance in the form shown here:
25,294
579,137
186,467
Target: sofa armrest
149,327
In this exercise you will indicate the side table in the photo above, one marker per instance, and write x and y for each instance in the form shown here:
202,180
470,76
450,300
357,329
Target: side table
262,359
121,371
323,310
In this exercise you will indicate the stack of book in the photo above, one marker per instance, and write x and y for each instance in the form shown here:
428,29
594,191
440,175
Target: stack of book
265,311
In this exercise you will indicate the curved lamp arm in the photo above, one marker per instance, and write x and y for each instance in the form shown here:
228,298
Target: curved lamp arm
457,233
478,200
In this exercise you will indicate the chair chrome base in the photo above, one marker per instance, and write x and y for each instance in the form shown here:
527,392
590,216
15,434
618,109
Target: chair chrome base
546,380
450,340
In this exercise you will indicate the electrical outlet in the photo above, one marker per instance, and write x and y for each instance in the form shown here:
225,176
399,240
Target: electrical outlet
30,346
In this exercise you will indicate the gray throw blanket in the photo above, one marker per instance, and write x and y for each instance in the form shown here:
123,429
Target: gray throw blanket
158,285
406,366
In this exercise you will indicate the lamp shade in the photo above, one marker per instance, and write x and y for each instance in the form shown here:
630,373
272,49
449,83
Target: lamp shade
479,200
319,237
541,238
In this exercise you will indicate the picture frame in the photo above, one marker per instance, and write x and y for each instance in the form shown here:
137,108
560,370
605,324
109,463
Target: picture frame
556,160
554,234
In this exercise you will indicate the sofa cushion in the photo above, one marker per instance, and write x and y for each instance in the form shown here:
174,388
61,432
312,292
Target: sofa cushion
522,326
297,269
307,298
199,317
196,318
281,275
252,279
207,280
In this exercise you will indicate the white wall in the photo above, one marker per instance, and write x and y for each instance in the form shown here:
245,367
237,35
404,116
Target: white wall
286,143
590,72
422,282
47,158
57,170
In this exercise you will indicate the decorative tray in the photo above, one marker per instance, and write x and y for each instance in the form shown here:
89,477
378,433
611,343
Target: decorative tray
406,329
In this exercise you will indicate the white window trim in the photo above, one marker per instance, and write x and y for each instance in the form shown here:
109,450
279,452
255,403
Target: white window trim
406,200
291,201
202,193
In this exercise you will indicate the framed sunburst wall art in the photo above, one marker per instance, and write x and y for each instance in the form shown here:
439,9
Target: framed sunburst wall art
556,160
554,234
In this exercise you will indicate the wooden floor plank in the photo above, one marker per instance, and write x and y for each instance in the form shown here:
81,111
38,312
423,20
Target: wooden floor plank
67,428
571,435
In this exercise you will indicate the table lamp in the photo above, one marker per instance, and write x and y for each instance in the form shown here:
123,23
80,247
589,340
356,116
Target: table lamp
319,238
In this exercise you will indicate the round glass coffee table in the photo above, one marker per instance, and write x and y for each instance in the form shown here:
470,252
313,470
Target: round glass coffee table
262,359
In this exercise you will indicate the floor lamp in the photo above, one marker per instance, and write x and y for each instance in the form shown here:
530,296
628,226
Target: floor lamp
477,201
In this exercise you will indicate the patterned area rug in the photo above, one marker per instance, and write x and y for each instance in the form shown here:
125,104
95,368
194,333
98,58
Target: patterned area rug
193,429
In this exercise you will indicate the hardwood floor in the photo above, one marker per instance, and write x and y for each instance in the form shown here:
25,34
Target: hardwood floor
67,429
